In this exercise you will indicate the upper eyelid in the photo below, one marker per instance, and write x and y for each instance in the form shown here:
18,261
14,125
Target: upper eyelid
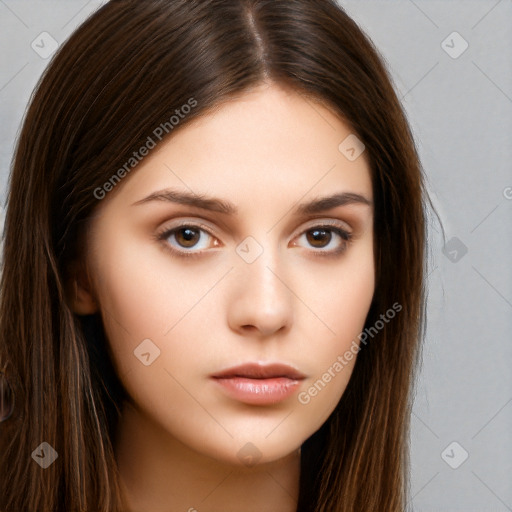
314,222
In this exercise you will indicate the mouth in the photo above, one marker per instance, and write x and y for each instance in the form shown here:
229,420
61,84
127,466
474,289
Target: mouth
259,384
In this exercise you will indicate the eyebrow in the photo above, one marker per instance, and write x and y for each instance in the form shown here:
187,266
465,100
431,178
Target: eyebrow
213,204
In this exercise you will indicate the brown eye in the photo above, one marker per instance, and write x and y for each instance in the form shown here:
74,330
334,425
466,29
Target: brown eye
187,237
319,237
181,238
327,239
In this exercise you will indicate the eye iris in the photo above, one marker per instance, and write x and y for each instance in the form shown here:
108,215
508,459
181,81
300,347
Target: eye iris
319,235
190,237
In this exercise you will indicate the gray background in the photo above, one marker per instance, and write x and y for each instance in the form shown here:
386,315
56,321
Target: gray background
460,107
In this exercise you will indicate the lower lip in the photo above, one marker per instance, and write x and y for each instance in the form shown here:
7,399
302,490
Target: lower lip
259,391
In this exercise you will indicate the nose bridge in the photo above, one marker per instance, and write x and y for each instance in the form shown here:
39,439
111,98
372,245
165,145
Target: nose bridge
262,298
262,270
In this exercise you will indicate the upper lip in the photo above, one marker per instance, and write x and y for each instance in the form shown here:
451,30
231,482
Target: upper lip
261,371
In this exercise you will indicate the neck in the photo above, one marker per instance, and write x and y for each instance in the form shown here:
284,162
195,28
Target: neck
159,473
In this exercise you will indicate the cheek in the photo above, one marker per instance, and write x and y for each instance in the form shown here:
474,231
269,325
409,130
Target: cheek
144,296
157,317
339,295
340,301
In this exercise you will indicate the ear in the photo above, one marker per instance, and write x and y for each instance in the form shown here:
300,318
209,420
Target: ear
80,291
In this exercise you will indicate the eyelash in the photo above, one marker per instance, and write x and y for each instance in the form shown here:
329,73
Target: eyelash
162,236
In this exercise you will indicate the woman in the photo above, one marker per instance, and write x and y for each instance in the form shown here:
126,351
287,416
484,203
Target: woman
270,369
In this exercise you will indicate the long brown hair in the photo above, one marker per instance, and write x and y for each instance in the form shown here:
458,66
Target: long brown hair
120,75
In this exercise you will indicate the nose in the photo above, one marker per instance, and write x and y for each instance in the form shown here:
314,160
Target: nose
261,300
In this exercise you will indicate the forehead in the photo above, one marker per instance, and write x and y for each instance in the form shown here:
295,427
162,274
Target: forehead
271,143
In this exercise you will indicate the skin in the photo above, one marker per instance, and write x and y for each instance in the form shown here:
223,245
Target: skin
180,437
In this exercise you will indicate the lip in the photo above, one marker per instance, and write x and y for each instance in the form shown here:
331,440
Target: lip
259,384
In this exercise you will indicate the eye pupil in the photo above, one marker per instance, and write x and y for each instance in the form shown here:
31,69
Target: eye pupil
319,235
190,236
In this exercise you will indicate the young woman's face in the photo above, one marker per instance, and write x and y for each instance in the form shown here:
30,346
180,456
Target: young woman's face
190,289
